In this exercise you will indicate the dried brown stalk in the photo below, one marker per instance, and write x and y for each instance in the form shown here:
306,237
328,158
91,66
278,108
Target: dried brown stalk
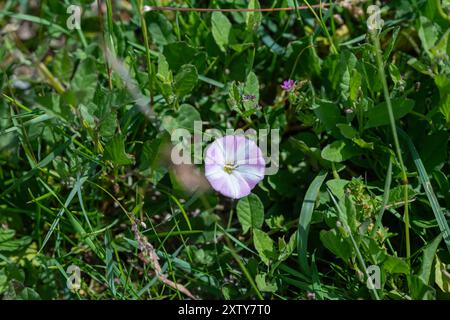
148,255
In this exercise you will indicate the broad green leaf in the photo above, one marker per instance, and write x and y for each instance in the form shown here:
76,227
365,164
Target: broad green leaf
115,151
185,80
250,212
433,150
428,33
15,244
6,234
164,74
185,118
108,125
300,54
328,114
178,54
286,249
441,279
347,131
151,160
396,265
355,84
427,260
264,285
341,71
84,82
264,245
337,186
28,294
339,151
160,28
251,89
336,244
221,28
378,115
253,19
420,290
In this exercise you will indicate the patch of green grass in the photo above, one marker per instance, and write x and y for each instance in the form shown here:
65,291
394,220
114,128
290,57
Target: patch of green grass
86,177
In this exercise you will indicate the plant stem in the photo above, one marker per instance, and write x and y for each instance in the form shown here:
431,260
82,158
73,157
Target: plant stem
324,27
380,65
147,49
102,31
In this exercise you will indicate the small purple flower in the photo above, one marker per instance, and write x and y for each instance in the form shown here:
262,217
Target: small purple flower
288,85
234,165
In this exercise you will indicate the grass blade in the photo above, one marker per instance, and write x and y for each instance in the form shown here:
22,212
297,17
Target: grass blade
425,181
305,219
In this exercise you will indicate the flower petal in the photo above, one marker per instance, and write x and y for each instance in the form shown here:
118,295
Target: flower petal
247,158
215,154
252,174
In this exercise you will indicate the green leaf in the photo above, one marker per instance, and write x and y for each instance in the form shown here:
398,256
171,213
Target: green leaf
420,290
28,294
164,74
378,115
160,28
15,244
428,32
221,28
9,244
336,244
253,18
349,213
250,212
442,280
339,151
426,184
341,72
264,245
6,234
305,218
115,151
108,125
328,114
264,285
347,131
251,88
178,54
428,256
355,84
300,54
337,187
151,160
286,249
84,82
184,119
185,80
433,150
396,265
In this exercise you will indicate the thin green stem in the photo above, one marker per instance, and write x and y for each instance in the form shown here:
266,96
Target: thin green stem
355,245
324,27
147,49
380,65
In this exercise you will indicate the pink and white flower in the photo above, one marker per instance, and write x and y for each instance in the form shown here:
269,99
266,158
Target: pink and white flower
234,165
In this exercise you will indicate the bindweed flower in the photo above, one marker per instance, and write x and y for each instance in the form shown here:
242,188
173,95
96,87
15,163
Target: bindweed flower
234,165
288,85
